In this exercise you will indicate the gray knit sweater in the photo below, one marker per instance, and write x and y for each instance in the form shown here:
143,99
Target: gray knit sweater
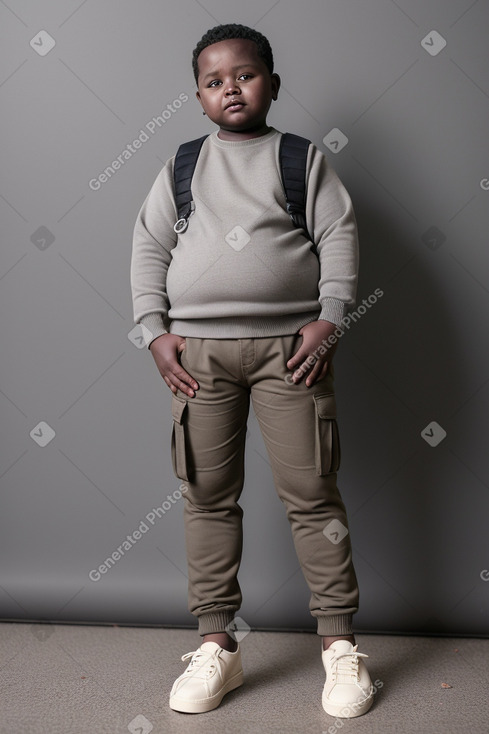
241,269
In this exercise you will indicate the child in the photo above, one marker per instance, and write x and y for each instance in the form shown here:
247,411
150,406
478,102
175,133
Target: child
234,304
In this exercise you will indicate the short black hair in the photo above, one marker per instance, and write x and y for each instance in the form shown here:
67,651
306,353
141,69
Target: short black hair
228,31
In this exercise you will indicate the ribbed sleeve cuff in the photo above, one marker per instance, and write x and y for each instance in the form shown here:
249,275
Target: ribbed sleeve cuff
335,624
332,310
153,322
218,621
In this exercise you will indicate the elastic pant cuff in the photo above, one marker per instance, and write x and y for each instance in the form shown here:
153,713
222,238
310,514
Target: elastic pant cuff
215,621
338,624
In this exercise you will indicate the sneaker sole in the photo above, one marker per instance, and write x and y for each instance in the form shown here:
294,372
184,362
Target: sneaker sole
347,710
206,704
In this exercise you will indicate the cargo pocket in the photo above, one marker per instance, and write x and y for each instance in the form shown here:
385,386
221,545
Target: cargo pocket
178,438
327,451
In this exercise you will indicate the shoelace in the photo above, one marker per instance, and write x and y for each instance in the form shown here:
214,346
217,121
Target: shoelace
197,665
345,665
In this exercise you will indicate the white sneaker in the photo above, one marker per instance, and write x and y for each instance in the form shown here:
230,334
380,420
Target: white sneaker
348,691
211,673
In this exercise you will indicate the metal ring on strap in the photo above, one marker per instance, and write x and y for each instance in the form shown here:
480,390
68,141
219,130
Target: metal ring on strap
181,225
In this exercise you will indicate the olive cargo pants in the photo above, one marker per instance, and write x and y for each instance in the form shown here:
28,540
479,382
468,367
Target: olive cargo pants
299,429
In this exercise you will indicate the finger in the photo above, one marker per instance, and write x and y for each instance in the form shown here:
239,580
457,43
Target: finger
317,372
298,357
298,354
176,385
184,382
180,380
172,387
324,371
173,369
294,361
184,376
301,372
180,372
309,363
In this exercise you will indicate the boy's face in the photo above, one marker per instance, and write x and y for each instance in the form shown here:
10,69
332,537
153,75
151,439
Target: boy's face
235,88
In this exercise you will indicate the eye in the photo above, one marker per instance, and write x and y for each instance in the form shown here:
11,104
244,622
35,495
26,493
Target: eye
245,76
214,83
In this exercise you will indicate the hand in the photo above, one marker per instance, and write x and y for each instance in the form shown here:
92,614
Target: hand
315,354
165,350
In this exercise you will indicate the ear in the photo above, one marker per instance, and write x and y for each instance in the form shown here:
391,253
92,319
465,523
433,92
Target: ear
275,79
197,94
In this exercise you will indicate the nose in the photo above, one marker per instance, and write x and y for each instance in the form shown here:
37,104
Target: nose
232,87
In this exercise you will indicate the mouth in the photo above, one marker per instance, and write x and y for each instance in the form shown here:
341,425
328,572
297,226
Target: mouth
234,106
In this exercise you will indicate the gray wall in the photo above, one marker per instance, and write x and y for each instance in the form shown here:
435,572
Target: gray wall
417,167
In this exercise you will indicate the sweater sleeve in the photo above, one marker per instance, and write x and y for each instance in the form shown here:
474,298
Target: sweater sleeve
331,221
153,241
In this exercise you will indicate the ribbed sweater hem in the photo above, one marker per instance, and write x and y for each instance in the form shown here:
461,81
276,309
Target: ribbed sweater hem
242,328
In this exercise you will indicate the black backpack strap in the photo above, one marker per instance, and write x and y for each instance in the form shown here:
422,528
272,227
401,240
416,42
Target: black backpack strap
293,159
183,170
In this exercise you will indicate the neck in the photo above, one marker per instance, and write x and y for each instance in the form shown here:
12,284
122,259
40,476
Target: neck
243,134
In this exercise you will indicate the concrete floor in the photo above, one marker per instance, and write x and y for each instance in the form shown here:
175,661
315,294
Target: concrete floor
80,679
